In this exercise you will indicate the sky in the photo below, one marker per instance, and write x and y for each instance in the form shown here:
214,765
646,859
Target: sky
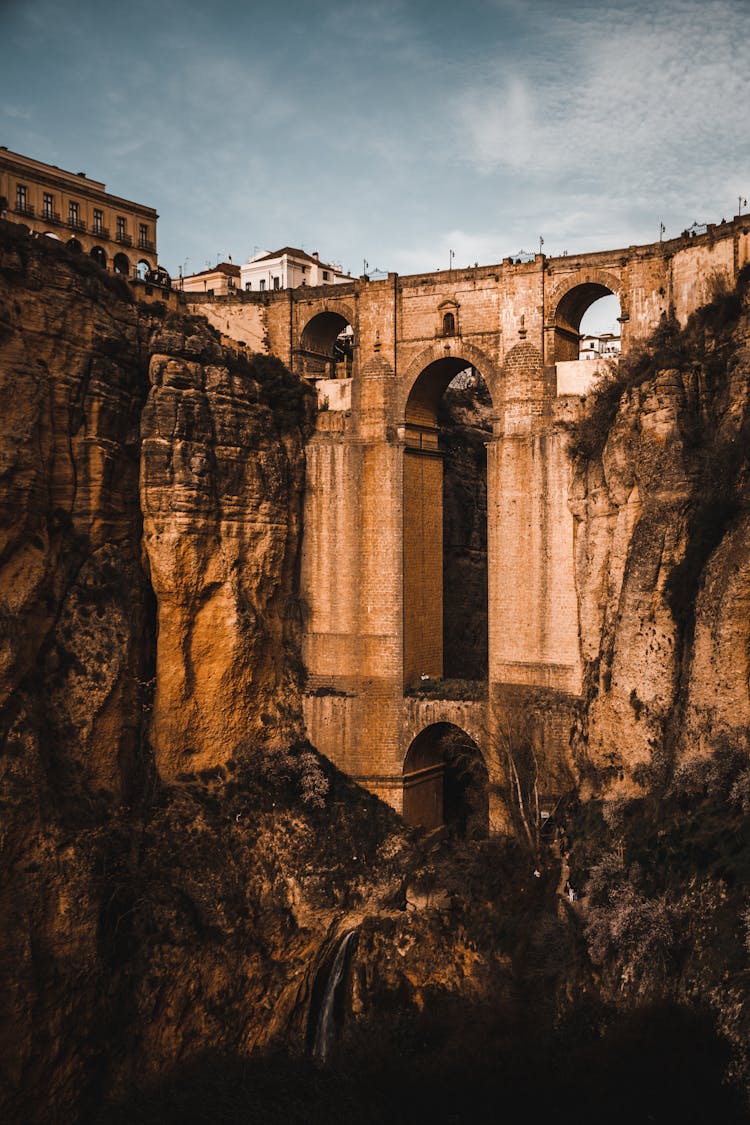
389,131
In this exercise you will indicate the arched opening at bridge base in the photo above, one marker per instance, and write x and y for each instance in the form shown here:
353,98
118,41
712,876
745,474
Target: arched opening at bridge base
446,783
326,348
448,422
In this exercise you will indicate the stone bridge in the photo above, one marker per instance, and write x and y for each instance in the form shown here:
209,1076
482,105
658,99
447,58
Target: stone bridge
372,561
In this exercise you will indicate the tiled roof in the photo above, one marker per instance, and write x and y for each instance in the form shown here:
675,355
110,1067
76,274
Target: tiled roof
223,267
293,253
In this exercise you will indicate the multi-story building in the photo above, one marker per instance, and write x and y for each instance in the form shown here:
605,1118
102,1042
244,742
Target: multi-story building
222,280
287,269
68,206
604,346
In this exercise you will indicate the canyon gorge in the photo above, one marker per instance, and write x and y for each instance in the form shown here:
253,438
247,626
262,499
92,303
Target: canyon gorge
183,871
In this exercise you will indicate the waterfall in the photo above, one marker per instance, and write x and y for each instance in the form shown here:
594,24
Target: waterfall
325,1026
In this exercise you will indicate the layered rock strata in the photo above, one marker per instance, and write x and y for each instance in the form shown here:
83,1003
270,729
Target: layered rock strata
662,516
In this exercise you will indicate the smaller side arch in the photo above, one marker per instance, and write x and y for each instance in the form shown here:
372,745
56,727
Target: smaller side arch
121,264
566,307
602,279
326,345
99,255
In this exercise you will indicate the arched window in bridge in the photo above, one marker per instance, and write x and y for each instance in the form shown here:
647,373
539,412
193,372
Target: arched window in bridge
447,318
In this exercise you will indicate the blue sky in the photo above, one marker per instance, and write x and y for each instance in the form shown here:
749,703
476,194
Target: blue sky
389,130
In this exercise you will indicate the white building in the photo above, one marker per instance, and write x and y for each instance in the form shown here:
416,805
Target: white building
288,268
604,346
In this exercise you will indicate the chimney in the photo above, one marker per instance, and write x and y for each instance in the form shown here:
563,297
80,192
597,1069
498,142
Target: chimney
316,255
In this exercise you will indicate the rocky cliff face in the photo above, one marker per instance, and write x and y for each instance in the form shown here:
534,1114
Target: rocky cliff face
75,640
221,482
659,842
110,586
661,499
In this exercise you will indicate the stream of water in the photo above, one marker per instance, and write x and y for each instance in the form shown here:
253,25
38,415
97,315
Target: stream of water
325,1027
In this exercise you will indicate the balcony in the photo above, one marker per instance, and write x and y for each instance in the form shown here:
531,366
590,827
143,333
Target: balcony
123,239
76,224
52,217
24,209
101,232
145,244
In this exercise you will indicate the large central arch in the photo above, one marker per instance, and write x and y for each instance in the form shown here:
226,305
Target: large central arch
424,557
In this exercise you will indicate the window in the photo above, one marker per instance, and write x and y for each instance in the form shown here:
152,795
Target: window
21,197
325,275
248,285
276,282
74,213
98,220
120,227
142,235
47,205
449,324
262,284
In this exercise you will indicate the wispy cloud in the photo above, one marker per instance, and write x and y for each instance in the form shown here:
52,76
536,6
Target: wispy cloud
651,104
396,130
